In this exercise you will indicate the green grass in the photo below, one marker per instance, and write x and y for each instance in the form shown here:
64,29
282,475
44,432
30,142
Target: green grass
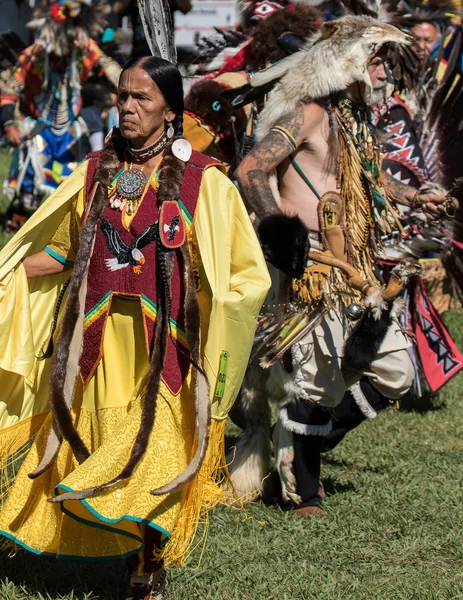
394,530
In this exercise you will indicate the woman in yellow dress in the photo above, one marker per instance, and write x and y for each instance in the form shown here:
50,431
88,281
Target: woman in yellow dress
128,305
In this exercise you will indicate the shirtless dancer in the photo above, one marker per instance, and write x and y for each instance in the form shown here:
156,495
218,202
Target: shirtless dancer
307,134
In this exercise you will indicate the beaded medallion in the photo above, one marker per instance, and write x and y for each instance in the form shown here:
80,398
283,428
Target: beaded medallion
130,184
129,189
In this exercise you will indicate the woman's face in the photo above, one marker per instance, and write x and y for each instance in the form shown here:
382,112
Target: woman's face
142,108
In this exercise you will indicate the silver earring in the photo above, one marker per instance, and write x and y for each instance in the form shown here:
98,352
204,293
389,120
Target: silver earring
170,131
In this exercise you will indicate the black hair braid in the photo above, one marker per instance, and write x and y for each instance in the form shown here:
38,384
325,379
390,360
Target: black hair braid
170,183
178,125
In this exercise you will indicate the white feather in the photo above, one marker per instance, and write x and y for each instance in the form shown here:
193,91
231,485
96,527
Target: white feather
113,265
157,23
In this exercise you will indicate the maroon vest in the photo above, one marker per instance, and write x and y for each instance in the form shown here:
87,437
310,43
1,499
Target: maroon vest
123,263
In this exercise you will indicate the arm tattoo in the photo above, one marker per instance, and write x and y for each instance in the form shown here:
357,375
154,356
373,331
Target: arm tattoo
258,193
274,148
267,155
400,191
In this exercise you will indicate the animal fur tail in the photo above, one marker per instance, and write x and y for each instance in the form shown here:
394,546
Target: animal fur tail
285,243
249,463
202,398
284,455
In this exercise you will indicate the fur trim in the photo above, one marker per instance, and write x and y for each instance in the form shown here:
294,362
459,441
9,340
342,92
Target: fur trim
284,455
205,99
303,428
365,339
330,62
249,463
362,402
202,402
285,243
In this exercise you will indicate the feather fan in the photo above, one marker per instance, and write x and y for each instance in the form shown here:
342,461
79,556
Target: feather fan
277,334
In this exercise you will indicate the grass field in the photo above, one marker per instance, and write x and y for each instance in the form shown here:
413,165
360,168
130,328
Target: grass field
393,532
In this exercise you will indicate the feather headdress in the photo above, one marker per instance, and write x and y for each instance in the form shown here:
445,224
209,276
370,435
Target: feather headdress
61,23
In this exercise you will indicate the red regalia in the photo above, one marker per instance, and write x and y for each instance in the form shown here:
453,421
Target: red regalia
137,278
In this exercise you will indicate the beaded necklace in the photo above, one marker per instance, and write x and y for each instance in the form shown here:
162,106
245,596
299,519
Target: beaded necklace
143,154
131,182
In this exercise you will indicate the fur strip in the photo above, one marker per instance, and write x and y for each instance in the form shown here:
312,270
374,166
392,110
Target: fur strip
284,456
362,402
248,459
249,463
303,428
63,372
285,243
202,399
367,335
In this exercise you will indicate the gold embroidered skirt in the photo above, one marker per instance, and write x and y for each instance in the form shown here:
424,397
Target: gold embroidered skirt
107,416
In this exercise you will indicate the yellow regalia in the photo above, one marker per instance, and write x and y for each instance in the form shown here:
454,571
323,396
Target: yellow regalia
233,282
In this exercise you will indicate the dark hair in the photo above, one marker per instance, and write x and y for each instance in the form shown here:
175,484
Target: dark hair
169,81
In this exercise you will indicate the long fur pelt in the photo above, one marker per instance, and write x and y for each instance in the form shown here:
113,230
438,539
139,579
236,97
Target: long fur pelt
202,402
285,243
330,62
64,367
148,413
249,459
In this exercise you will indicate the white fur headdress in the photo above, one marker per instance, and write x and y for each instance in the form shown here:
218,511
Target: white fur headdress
331,61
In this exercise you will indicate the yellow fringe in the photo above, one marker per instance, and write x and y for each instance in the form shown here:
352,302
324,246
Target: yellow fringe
14,445
203,493
313,284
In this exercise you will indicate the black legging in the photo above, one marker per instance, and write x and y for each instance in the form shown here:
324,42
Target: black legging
308,448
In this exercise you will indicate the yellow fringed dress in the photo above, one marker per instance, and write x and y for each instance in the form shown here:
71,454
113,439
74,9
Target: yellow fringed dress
233,285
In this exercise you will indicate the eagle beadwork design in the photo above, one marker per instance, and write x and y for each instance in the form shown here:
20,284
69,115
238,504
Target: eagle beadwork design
124,255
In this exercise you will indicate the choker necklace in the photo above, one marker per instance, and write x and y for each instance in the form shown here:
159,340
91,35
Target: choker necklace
129,190
143,154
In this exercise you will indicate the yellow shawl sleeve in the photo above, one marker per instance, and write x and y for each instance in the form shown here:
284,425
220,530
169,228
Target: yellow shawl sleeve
234,283
27,306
